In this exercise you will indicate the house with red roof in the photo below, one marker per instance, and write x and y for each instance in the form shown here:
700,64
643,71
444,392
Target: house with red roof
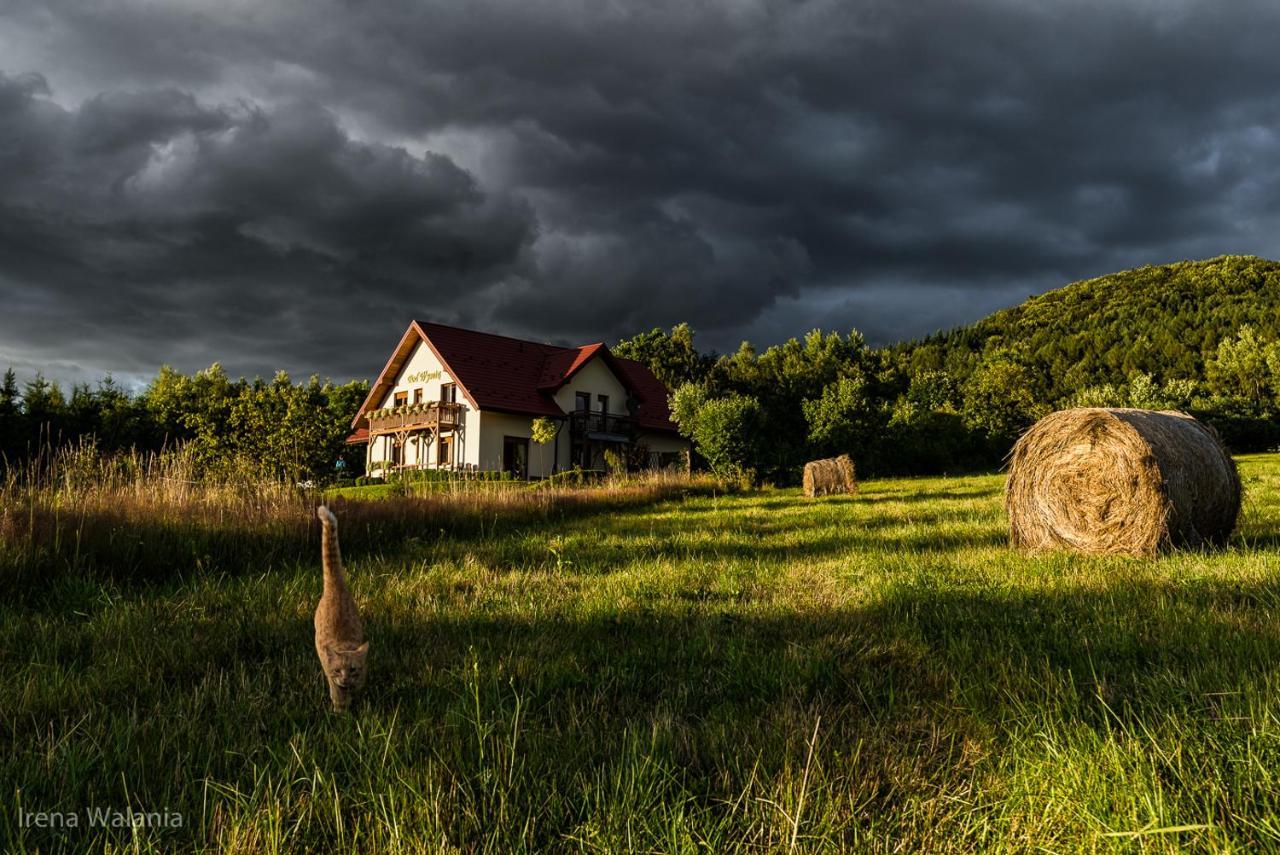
450,398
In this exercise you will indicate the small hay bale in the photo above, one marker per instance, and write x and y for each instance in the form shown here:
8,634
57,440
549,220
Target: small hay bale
1120,482
830,475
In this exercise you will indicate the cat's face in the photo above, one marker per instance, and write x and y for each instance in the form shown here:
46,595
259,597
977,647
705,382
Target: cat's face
346,668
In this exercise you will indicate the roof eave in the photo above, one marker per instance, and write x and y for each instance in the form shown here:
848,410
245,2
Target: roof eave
377,383
599,348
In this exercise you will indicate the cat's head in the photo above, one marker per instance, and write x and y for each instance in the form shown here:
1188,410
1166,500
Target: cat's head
345,666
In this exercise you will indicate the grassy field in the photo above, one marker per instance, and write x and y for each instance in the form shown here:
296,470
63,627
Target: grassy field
749,672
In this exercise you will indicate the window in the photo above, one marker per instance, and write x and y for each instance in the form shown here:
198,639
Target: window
444,451
417,396
449,393
401,399
515,456
669,459
604,403
583,404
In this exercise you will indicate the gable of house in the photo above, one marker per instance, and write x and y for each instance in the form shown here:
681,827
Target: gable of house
422,373
594,378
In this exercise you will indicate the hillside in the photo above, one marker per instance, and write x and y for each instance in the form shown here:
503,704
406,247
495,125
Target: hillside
1161,320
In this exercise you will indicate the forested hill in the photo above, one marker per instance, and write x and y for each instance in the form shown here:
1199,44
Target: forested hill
1202,337
1165,321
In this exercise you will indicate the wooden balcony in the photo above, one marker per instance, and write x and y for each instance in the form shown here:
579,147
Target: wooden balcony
609,427
439,416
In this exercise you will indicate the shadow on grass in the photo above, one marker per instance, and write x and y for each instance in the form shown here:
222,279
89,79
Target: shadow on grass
901,492
1142,648
117,546
603,557
584,547
121,545
1257,538
910,498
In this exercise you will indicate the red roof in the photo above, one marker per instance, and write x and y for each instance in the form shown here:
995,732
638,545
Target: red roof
510,375
652,410
360,435
498,373
559,367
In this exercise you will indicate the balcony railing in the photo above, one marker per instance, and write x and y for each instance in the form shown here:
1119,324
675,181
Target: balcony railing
589,424
437,415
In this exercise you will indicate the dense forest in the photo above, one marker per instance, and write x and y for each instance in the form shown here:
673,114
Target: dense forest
1198,336
1165,321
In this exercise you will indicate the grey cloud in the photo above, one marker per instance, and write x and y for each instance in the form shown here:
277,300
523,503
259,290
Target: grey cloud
754,168
658,269
152,222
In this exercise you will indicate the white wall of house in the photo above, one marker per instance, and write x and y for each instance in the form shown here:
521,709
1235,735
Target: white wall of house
427,374
663,443
495,427
596,379
423,372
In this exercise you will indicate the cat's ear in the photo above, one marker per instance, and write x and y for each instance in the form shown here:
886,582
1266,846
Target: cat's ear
362,649
330,654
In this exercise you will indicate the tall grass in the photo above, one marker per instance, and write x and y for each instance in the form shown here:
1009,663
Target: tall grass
148,516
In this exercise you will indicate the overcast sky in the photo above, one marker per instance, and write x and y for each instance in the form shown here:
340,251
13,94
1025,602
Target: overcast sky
286,184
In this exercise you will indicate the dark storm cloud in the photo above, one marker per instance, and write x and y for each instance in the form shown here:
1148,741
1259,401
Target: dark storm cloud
146,224
285,184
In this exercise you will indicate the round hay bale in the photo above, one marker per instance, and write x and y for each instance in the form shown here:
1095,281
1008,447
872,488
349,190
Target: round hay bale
1121,482
830,475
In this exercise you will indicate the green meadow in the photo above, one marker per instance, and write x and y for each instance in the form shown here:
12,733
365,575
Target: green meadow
708,671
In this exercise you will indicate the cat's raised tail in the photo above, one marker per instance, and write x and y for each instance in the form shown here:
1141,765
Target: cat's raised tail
334,576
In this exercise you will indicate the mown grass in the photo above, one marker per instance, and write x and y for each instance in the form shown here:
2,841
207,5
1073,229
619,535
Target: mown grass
714,672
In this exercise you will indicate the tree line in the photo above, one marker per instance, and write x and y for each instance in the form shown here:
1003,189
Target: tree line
1202,337
1197,336
232,427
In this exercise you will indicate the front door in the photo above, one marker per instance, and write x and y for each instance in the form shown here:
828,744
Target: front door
515,456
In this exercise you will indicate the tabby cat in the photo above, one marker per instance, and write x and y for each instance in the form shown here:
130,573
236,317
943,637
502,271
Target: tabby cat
340,640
